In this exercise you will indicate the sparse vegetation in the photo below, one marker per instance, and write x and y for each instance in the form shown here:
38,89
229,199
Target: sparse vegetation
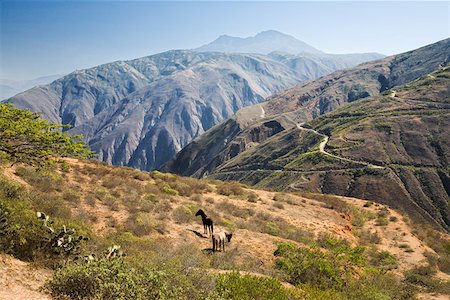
138,209
241,287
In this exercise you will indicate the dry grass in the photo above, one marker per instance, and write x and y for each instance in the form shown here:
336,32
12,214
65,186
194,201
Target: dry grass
162,206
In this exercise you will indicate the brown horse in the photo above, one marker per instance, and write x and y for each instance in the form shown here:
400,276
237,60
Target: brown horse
207,222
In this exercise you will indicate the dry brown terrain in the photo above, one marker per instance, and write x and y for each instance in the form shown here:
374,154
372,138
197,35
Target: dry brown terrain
21,281
112,199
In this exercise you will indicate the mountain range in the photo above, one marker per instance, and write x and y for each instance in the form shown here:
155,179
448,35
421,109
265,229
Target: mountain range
376,131
141,112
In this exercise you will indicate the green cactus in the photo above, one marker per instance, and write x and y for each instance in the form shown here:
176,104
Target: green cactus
64,242
114,252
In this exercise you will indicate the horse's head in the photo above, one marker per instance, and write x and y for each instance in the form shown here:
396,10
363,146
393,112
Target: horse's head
229,236
200,213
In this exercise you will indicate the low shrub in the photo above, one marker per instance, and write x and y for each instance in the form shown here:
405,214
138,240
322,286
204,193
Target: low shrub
169,191
140,223
324,269
381,221
228,224
230,189
278,205
368,237
252,197
247,287
50,203
111,279
423,276
10,189
276,226
382,259
226,207
72,196
41,179
183,214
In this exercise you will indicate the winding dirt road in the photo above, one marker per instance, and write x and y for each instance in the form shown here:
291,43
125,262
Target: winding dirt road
324,143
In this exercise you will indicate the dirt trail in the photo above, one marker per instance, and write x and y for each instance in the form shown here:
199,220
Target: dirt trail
324,143
20,281
9,172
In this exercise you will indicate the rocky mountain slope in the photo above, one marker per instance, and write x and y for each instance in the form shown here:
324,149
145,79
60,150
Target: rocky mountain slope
301,103
141,112
396,151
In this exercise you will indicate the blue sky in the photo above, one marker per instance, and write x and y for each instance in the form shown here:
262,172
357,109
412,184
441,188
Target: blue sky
57,37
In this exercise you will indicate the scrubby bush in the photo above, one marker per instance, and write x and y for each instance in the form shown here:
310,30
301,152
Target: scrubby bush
276,226
183,214
438,241
424,276
230,209
382,259
42,179
111,279
252,197
368,237
50,203
169,191
10,189
71,196
329,241
230,189
140,223
228,224
111,182
247,287
22,234
381,221
324,269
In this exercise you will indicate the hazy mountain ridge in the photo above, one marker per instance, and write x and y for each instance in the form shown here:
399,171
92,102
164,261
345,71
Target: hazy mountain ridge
141,112
264,43
9,88
271,41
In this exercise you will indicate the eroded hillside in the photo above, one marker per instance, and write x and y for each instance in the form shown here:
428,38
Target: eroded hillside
392,148
302,103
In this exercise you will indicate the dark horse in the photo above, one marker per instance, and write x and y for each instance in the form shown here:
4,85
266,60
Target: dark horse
207,222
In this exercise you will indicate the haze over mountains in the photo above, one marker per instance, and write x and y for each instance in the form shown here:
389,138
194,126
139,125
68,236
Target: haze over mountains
390,143
9,88
264,42
141,112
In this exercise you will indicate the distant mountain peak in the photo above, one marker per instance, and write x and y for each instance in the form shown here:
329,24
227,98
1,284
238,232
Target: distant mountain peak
263,42
271,32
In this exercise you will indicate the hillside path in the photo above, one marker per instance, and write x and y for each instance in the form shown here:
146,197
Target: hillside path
324,143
